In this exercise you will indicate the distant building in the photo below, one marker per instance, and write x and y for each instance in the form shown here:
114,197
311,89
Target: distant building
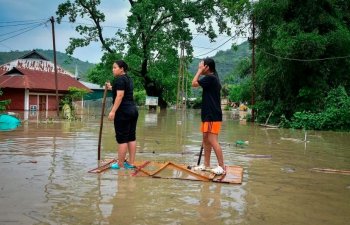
97,91
30,83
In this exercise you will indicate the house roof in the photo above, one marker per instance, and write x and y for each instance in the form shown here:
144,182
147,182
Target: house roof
91,85
37,80
34,61
33,55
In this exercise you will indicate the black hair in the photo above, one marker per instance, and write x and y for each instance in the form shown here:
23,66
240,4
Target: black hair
211,64
122,64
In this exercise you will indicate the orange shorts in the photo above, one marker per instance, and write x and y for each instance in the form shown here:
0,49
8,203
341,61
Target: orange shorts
211,127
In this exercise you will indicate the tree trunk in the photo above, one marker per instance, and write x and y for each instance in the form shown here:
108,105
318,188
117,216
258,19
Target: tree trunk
151,88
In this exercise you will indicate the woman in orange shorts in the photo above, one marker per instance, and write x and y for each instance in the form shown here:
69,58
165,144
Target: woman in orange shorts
211,114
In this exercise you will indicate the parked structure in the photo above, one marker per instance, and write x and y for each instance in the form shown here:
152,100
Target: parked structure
30,83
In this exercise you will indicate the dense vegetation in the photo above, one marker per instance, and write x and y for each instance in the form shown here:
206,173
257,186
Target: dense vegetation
155,31
302,53
303,56
3,103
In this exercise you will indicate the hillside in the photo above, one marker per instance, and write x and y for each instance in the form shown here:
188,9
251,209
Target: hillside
226,61
65,61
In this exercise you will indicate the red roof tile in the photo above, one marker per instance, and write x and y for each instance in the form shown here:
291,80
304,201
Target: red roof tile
39,80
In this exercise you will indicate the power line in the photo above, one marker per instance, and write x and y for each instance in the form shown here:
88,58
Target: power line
24,28
29,29
20,24
305,60
6,46
21,21
214,48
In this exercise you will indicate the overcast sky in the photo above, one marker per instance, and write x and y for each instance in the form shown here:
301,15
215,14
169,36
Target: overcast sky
25,16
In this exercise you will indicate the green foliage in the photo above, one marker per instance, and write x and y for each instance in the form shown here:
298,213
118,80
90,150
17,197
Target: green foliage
3,103
240,92
300,49
336,115
77,93
155,30
226,62
196,104
102,72
140,97
74,94
235,93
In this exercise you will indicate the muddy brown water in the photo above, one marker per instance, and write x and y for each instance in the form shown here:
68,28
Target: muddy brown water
44,179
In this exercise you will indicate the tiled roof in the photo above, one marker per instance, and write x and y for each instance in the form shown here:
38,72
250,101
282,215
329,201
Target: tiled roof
92,86
37,80
33,64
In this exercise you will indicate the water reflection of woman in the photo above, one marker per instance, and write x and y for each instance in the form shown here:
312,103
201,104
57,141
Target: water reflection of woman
124,114
210,204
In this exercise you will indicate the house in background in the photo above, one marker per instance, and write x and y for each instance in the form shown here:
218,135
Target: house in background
97,91
30,83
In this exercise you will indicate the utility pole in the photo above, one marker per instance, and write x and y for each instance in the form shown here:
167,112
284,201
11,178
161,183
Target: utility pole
253,69
181,80
55,63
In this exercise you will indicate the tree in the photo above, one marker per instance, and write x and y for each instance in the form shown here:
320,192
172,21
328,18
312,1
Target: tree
303,50
155,29
3,103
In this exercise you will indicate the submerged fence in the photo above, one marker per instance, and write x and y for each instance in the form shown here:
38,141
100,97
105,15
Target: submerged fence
92,107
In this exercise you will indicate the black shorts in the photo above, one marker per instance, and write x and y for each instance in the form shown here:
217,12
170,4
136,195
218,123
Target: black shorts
125,122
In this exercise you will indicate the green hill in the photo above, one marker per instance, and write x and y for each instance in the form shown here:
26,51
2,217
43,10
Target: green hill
226,61
65,61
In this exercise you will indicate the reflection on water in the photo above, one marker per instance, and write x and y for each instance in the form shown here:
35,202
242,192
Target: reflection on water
44,179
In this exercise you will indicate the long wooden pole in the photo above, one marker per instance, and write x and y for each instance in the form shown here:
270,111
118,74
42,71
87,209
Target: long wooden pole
101,122
200,155
55,62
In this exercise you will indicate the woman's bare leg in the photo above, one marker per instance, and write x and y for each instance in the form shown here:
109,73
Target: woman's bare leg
132,152
122,149
207,150
213,140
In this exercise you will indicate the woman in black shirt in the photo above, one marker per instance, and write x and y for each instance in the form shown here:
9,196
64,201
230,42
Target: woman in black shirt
211,113
124,114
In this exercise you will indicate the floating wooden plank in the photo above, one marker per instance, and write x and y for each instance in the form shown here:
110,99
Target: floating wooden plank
327,170
170,170
139,170
234,175
178,172
103,165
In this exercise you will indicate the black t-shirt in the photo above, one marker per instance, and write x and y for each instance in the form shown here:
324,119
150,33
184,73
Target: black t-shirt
211,101
124,83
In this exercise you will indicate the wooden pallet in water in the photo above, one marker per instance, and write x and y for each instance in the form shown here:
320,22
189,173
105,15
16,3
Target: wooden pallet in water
171,170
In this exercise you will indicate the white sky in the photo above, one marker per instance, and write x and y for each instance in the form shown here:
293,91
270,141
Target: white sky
116,11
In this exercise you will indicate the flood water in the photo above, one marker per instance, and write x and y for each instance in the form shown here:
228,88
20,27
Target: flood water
44,175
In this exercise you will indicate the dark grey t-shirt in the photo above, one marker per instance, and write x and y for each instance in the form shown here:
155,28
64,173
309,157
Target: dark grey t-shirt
211,100
124,83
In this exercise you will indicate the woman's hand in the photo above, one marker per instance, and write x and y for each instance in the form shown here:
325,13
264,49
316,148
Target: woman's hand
202,69
109,86
111,115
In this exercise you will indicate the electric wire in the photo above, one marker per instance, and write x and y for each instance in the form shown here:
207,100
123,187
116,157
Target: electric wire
197,56
21,24
27,30
14,31
304,60
21,21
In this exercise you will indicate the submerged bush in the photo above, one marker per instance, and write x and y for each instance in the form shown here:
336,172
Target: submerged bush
335,116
